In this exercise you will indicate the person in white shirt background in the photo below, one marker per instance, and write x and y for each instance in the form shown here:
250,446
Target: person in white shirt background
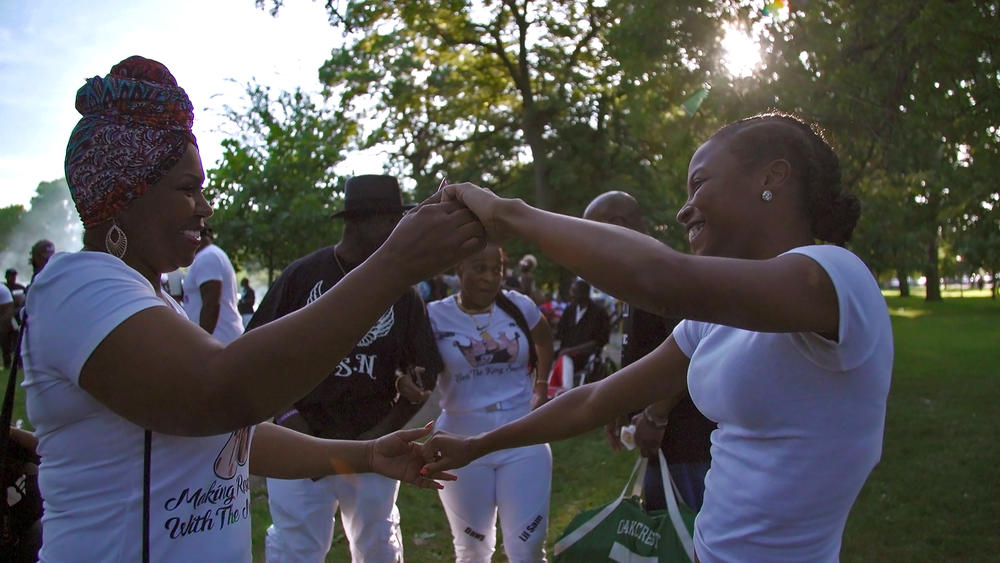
210,291
497,349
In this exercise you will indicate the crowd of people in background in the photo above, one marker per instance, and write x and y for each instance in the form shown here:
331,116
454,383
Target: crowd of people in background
13,294
146,337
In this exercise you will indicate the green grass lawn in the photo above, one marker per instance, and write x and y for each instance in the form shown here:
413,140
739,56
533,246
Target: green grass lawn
934,496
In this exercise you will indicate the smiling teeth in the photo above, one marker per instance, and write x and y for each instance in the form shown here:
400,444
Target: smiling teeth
192,234
694,231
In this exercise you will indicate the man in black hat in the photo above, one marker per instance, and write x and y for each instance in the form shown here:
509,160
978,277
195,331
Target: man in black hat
359,399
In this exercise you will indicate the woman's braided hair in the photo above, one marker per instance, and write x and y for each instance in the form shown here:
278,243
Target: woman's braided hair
833,211
509,307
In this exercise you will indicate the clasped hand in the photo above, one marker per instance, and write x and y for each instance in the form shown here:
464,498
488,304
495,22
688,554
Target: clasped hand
445,451
399,456
480,201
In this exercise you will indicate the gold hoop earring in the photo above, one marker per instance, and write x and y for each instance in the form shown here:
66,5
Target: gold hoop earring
115,241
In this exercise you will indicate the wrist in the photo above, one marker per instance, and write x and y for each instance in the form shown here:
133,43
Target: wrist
658,421
386,259
479,445
369,456
506,215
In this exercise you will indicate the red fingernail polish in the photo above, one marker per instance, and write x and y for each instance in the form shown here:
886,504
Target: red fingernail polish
423,471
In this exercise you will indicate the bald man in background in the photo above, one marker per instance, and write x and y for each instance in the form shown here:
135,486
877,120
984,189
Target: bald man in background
685,438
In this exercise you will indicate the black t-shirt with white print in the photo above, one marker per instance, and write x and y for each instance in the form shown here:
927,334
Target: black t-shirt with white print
360,390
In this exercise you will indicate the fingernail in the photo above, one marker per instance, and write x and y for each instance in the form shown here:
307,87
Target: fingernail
423,472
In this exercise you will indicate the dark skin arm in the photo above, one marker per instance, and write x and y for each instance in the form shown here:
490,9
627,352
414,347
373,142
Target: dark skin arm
542,335
582,349
211,297
661,375
194,386
652,277
286,454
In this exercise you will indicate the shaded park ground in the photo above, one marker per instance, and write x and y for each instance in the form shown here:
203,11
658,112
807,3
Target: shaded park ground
934,497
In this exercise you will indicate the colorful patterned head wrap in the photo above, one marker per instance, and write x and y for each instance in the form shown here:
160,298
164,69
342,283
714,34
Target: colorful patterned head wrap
136,126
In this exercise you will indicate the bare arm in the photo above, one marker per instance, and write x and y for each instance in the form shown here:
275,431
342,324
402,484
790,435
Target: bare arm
192,385
541,333
790,293
286,454
6,313
283,453
211,295
660,375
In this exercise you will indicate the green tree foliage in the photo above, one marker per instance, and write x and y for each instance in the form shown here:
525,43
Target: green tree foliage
10,218
906,88
274,189
558,100
552,100
51,215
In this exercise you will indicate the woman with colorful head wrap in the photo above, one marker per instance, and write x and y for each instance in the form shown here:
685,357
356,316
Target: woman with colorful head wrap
146,425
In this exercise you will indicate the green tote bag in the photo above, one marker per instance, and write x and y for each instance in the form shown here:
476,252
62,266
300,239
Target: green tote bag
623,531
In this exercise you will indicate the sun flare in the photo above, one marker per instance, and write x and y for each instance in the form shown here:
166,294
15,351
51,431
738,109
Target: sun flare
741,52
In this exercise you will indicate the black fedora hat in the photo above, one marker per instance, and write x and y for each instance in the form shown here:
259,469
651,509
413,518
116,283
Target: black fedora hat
372,193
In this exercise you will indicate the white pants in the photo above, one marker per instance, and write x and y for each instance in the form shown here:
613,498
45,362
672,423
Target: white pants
303,514
516,482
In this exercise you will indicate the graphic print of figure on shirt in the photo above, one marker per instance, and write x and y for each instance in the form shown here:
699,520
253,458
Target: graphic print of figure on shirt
490,350
235,453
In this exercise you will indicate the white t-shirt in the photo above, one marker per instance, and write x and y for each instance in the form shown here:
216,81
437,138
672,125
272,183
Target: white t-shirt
212,264
5,295
175,282
801,420
482,367
92,469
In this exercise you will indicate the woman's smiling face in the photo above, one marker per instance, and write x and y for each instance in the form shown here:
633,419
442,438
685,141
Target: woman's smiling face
164,224
719,212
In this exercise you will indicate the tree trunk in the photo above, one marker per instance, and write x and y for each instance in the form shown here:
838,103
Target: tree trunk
540,158
904,282
931,271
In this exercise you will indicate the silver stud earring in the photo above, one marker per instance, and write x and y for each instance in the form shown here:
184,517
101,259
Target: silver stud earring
766,195
115,241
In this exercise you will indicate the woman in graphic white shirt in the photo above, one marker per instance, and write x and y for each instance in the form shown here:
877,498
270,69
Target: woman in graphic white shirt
147,426
493,343
787,343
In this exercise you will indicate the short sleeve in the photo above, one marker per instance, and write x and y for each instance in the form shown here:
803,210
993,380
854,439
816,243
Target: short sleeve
687,334
5,295
208,268
863,312
76,303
